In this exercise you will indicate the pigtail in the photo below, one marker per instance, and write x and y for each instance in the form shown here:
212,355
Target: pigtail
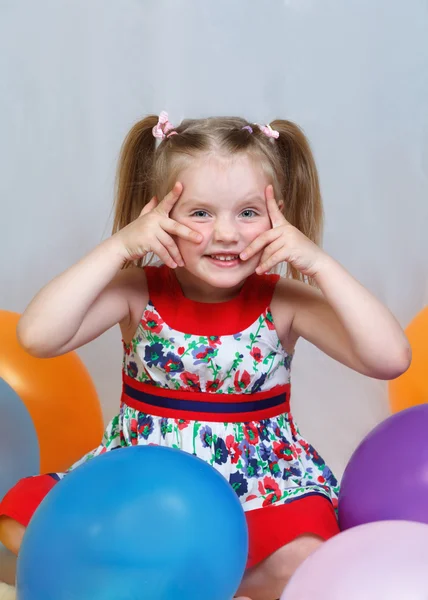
134,179
301,189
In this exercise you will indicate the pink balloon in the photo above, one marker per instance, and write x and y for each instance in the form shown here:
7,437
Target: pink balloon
386,560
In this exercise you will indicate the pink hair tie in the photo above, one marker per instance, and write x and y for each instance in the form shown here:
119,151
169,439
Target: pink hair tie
267,130
163,126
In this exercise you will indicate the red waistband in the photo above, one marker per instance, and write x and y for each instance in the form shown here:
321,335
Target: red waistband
205,406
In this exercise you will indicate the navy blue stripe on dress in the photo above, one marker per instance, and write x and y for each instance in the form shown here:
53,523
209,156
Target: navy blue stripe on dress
209,407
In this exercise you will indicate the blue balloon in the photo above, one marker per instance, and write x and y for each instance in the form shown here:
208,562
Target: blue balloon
142,522
19,445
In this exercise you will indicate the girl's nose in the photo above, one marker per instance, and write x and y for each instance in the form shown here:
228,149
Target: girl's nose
225,231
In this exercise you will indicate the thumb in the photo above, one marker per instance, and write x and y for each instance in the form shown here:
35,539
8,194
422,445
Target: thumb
149,206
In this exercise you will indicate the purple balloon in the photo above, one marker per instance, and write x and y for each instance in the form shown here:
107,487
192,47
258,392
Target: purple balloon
387,475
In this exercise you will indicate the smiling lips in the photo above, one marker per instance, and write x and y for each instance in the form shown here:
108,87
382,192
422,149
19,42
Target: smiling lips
224,260
224,256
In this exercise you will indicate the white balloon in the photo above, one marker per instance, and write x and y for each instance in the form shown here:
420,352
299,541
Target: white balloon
386,560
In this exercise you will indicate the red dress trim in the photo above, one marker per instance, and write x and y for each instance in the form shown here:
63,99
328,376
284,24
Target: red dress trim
22,500
272,527
204,318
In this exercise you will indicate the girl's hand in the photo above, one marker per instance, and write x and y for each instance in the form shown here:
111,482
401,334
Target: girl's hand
284,242
150,232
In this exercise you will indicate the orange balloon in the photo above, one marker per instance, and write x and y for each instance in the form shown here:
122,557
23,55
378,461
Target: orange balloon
59,395
411,388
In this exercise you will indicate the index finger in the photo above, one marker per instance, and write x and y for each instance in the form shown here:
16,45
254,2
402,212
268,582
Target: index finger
174,227
275,214
259,243
167,203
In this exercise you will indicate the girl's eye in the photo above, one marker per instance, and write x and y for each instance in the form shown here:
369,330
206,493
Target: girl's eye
248,213
197,213
249,210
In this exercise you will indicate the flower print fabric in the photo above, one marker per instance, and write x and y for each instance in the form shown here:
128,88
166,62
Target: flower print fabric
267,461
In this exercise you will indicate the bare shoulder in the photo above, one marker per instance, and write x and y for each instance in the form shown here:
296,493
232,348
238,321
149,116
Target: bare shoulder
289,298
134,284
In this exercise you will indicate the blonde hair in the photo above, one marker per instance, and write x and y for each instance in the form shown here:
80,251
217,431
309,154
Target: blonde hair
146,170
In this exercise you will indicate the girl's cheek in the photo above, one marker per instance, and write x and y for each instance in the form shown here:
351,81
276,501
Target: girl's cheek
205,232
191,248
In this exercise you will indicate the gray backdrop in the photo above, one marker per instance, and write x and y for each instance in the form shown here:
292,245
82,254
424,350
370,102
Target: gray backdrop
75,75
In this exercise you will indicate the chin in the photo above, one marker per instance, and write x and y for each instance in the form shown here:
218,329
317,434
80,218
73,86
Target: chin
224,278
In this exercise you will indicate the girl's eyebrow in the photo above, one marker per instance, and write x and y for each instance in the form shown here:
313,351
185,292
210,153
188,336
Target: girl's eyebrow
206,204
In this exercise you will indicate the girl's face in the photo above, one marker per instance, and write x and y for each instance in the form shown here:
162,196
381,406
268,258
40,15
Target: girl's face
225,201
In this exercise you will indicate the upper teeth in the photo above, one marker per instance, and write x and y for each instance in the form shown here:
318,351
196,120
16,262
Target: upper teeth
224,257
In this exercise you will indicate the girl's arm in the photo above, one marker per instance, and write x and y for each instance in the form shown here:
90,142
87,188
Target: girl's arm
344,320
349,324
78,305
94,294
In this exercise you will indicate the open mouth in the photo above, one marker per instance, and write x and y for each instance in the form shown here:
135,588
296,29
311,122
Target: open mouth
224,260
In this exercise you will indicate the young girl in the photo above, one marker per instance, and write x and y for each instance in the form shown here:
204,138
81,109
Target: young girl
209,335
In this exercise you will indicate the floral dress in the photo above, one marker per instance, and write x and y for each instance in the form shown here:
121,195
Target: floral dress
214,380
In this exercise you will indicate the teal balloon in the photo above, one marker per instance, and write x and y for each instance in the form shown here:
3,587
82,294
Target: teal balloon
19,445
134,523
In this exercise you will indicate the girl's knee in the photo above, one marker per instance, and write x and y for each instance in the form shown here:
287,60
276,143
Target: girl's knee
283,563
11,534
268,579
